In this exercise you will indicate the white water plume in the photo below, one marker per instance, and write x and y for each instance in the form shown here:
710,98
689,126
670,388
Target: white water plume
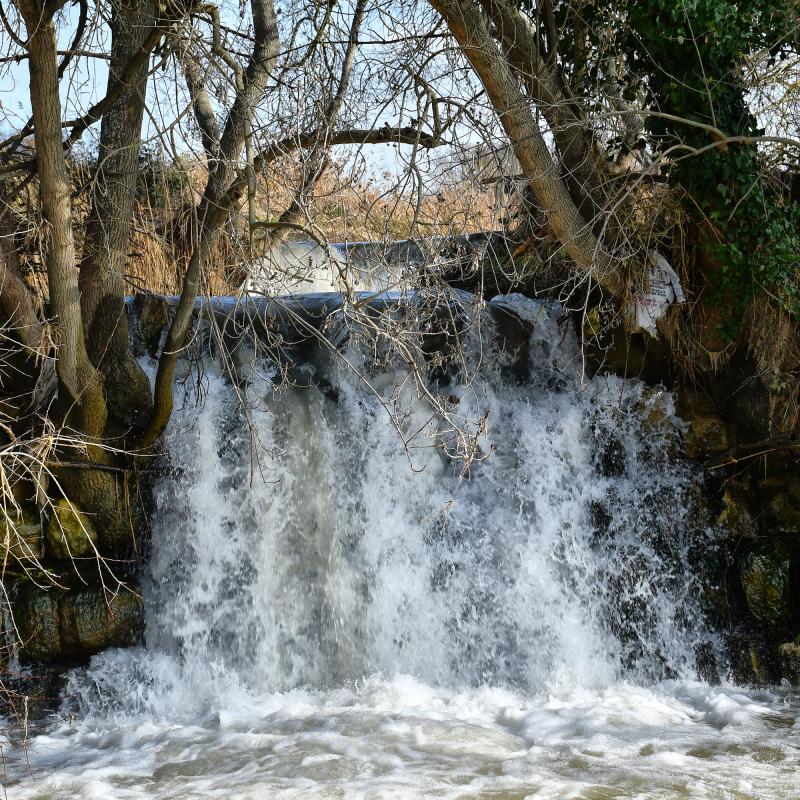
327,621
561,559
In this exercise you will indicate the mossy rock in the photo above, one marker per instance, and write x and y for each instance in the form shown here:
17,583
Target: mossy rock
789,658
737,517
750,662
765,580
70,532
781,500
37,622
20,535
57,625
708,433
93,622
117,511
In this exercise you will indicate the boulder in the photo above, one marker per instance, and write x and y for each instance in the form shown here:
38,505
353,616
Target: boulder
780,496
750,661
789,658
765,580
707,433
57,625
20,535
70,532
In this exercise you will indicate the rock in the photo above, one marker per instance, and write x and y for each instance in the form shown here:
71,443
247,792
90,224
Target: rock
736,516
60,625
514,334
789,658
708,433
98,623
765,580
781,500
70,532
36,620
20,535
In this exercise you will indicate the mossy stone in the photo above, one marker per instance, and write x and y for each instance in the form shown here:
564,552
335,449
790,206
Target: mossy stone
56,625
765,580
97,621
20,535
37,622
70,532
789,656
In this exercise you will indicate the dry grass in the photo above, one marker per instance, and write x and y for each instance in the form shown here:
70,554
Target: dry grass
342,208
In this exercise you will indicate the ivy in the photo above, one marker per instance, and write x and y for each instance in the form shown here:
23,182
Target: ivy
695,49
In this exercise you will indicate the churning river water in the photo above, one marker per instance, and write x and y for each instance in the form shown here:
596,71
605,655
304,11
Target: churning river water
331,614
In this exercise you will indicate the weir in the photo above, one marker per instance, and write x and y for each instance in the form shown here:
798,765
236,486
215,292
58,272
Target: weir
339,604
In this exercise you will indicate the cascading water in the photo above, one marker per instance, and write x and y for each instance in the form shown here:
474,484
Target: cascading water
333,614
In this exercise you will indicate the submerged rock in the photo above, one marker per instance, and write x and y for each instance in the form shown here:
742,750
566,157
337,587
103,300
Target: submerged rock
61,625
70,532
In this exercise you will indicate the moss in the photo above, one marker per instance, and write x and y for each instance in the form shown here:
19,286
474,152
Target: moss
70,532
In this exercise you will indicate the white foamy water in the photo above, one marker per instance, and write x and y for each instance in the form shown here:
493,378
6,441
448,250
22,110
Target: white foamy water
349,619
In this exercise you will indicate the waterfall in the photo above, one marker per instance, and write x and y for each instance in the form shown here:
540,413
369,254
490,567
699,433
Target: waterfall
298,542
340,606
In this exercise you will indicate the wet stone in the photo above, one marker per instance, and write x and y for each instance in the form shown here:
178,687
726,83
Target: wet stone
62,625
789,658
70,532
765,580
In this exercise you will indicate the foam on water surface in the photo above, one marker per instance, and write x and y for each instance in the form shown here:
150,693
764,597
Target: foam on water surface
348,618
401,738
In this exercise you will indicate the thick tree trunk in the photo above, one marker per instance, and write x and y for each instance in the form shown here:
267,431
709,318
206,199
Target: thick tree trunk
102,274
513,108
80,387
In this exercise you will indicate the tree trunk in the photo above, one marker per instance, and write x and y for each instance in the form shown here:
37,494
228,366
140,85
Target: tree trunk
583,164
513,108
102,273
80,387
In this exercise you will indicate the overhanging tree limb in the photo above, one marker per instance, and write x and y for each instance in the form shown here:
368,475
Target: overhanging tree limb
470,29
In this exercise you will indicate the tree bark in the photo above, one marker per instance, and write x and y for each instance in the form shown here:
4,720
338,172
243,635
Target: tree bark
16,300
102,273
583,164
